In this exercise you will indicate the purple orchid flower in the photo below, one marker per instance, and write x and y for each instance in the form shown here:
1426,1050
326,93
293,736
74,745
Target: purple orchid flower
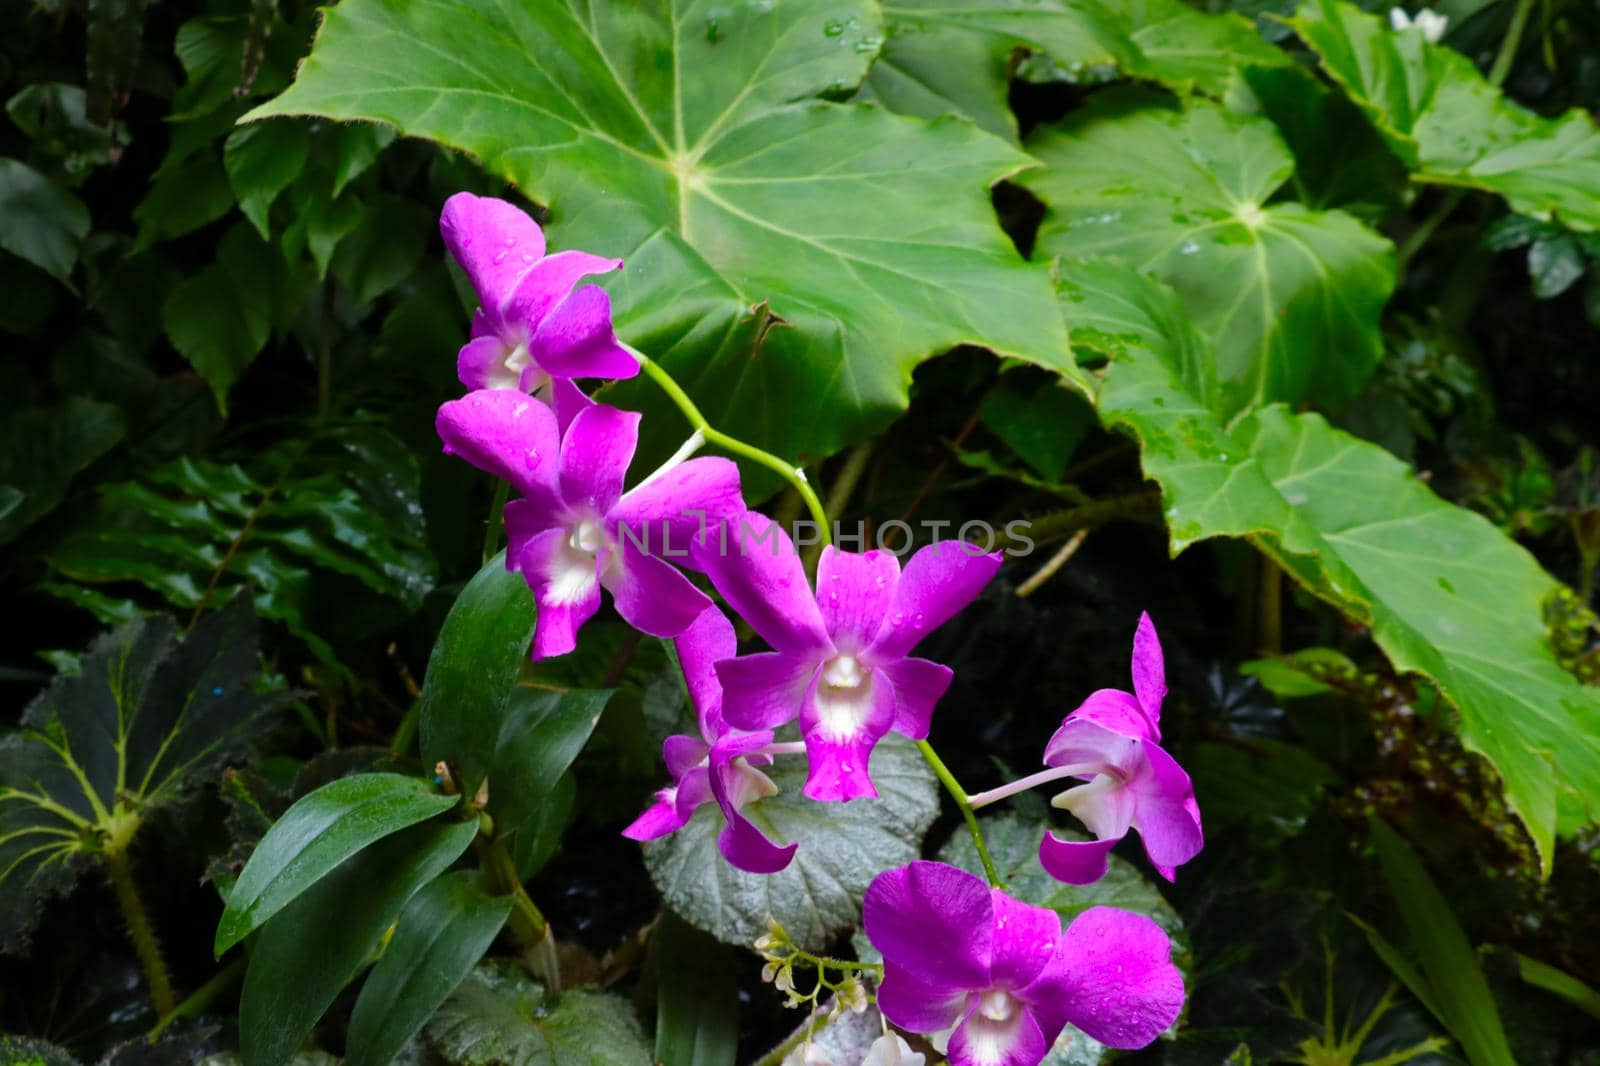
533,331
840,660
718,766
1113,740
1006,976
574,530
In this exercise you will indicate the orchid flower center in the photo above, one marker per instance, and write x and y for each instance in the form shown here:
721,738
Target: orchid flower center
1093,803
587,537
843,672
518,359
996,1005
749,784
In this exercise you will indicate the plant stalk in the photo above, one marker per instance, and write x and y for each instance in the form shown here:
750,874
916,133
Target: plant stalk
491,532
527,922
794,475
959,794
1510,43
140,931
202,997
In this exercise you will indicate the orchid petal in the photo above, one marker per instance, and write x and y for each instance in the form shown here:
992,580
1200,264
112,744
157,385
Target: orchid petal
568,400
683,753
481,364
840,727
650,595
918,1005
939,581
740,842
1075,862
595,454
495,242
1117,711
853,594
933,923
918,685
1165,813
576,339
700,647
1149,671
755,566
659,819
507,434
566,588
545,285
765,690
670,512
1016,1040
1080,741
1024,940
1113,978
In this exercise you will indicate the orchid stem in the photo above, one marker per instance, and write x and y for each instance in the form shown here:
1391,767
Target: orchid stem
794,475
491,533
957,793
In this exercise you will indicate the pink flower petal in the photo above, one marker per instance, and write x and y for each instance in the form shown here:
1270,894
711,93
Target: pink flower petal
1113,978
481,364
495,242
576,339
548,282
1081,741
765,690
595,454
651,596
1024,940
1075,862
939,581
659,819
1165,813
918,686
853,593
840,727
1012,1040
933,923
709,640
740,842
506,434
916,1005
1149,671
755,566
1117,711
669,513
566,588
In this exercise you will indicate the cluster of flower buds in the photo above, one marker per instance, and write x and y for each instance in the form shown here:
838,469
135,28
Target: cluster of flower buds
996,977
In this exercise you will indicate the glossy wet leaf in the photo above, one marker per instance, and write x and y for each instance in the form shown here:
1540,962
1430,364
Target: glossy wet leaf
1289,297
145,717
39,221
842,848
320,831
1448,124
440,937
341,503
1013,842
726,183
501,1017
473,671
42,449
312,948
1445,593
530,791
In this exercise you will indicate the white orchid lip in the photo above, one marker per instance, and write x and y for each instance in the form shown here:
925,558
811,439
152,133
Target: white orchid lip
844,697
997,1005
588,537
843,671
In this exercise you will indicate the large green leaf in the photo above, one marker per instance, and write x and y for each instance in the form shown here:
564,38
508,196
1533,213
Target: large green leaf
942,57
145,716
1013,842
1458,991
500,1017
440,937
314,946
335,501
1448,124
1288,296
1446,593
43,448
321,830
530,791
842,848
688,137
697,1004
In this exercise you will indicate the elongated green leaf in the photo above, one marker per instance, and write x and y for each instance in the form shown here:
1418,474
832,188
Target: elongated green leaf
842,848
1448,124
144,717
473,670
313,947
319,832
1447,594
38,221
540,735
697,1009
1288,297
864,241
440,937
1560,983
1458,990
43,448
499,1017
